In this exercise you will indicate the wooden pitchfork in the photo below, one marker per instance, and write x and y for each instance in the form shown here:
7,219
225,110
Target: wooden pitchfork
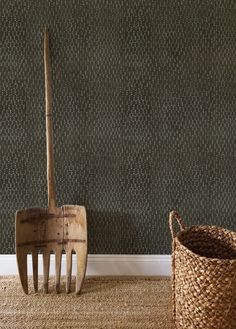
51,230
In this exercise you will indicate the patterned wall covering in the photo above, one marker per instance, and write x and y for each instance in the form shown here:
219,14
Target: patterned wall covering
144,114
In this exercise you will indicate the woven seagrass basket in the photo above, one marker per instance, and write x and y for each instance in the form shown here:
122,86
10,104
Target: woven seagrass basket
203,276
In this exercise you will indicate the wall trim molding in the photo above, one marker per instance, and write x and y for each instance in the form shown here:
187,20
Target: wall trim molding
101,265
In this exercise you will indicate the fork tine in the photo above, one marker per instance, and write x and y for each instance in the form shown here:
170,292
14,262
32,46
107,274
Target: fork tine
46,265
58,269
68,269
22,267
35,269
81,255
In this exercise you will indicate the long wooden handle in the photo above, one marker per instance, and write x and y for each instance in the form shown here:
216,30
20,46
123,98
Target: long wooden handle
49,138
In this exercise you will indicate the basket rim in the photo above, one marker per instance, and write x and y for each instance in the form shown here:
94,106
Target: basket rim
226,260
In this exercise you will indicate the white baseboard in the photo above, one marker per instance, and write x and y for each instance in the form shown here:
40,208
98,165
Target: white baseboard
101,265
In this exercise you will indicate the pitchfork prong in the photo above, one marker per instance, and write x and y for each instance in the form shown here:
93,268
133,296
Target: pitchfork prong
46,265
35,269
22,267
81,256
58,254
68,269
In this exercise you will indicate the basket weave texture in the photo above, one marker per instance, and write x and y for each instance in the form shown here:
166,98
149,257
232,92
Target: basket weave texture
203,276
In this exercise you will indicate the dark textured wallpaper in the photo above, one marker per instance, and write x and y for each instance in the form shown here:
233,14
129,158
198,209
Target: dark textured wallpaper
144,114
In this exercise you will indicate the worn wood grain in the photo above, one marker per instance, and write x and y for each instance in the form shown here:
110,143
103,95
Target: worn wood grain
53,229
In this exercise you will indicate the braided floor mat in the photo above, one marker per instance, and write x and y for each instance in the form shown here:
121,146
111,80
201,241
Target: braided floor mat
105,302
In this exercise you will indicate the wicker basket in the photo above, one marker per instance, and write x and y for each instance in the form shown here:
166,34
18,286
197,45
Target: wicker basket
203,276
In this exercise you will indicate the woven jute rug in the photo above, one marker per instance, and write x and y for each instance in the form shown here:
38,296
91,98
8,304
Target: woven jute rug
105,302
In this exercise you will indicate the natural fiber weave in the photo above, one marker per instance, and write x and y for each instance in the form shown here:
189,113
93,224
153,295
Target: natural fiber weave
117,302
204,277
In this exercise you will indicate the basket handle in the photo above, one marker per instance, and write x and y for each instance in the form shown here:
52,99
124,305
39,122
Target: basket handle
175,215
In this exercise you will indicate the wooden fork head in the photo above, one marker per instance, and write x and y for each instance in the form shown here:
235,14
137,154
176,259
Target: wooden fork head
41,230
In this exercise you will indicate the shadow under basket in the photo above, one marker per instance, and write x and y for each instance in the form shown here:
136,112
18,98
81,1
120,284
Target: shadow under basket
203,276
